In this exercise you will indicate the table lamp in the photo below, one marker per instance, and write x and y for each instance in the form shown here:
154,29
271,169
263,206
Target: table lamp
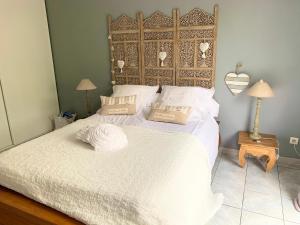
86,85
260,90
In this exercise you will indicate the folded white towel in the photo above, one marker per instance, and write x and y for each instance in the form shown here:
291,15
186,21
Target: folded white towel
104,137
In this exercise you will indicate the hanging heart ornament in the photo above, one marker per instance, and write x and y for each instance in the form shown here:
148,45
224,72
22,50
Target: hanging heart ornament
237,83
203,48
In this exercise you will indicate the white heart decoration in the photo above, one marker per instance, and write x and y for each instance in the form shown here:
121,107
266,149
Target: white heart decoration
237,83
162,56
204,46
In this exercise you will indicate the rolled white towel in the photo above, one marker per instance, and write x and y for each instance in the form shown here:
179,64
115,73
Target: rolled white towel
104,137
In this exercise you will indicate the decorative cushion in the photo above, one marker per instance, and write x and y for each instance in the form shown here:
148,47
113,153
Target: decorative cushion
200,99
123,105
103,137
144,94
170,114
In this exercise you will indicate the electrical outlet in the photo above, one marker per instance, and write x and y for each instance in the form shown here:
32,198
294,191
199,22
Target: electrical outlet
294,140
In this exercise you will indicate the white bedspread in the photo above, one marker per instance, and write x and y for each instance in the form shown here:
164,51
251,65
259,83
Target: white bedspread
159,179
206,130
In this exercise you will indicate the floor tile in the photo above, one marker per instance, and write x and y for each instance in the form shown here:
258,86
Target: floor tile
269,205
214,169
289,174
230,180
266,198
289,211
260,181
289,189
231,156
230,151
290,223
249,218
226,215
289,162
233,195
228,168
257,166
289,182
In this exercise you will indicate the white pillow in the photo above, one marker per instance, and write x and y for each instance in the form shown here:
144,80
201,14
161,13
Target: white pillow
153,100
200,99
145,94
199,91
103,137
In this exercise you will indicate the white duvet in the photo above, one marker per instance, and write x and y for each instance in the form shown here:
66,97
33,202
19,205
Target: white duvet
158,179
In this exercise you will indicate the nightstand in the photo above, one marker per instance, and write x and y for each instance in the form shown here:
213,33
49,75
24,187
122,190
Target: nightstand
265,147
61,121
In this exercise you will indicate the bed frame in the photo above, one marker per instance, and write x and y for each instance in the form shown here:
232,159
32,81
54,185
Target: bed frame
16,209
138,41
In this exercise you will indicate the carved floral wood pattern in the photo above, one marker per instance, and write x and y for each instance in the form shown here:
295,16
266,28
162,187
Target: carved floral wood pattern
124,42
158,34
194,28
197,17
158,20
139,40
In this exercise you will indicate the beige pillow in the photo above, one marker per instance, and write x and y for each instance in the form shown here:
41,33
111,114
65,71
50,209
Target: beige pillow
124,105
170,114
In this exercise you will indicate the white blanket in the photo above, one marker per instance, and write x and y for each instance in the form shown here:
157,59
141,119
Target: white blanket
206,130
158,179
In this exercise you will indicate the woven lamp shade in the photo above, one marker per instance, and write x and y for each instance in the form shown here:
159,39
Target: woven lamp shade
85,85
261,89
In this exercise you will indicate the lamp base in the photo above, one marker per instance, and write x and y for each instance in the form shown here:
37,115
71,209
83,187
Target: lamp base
254,136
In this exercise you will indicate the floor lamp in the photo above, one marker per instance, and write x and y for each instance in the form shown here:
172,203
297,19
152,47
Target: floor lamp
86,85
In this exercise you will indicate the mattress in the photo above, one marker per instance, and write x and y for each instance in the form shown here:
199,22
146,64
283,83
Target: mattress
159,178
206,129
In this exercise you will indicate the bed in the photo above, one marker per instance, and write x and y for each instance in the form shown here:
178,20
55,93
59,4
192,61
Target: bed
162,177
59,171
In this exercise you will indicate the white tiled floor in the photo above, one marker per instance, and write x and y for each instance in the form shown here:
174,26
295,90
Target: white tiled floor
252,196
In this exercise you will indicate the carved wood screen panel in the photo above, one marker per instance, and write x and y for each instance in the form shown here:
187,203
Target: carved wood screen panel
158,34
124,43
139,40
194,28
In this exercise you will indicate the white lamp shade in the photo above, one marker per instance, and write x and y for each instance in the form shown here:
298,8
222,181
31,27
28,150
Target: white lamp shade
261,89
85,85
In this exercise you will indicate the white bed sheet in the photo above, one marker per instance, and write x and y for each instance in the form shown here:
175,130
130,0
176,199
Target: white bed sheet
206,130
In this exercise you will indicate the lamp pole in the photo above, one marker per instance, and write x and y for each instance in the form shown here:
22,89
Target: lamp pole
255,135
88,108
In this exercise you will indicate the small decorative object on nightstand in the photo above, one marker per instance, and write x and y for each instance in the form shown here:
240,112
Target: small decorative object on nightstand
266,146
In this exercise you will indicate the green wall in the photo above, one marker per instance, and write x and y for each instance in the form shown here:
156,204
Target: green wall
264,35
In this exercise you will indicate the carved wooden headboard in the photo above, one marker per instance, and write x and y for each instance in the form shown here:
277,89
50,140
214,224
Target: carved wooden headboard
138,42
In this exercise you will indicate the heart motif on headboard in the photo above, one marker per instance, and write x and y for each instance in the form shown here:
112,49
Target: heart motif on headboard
237,83
204,46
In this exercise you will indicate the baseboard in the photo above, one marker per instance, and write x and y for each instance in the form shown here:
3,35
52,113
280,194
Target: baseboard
228,150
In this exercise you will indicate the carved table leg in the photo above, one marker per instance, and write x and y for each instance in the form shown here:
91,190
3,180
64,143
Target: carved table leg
242,156
272,161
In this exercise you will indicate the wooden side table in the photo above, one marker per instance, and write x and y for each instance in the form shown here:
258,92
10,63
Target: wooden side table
266,147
